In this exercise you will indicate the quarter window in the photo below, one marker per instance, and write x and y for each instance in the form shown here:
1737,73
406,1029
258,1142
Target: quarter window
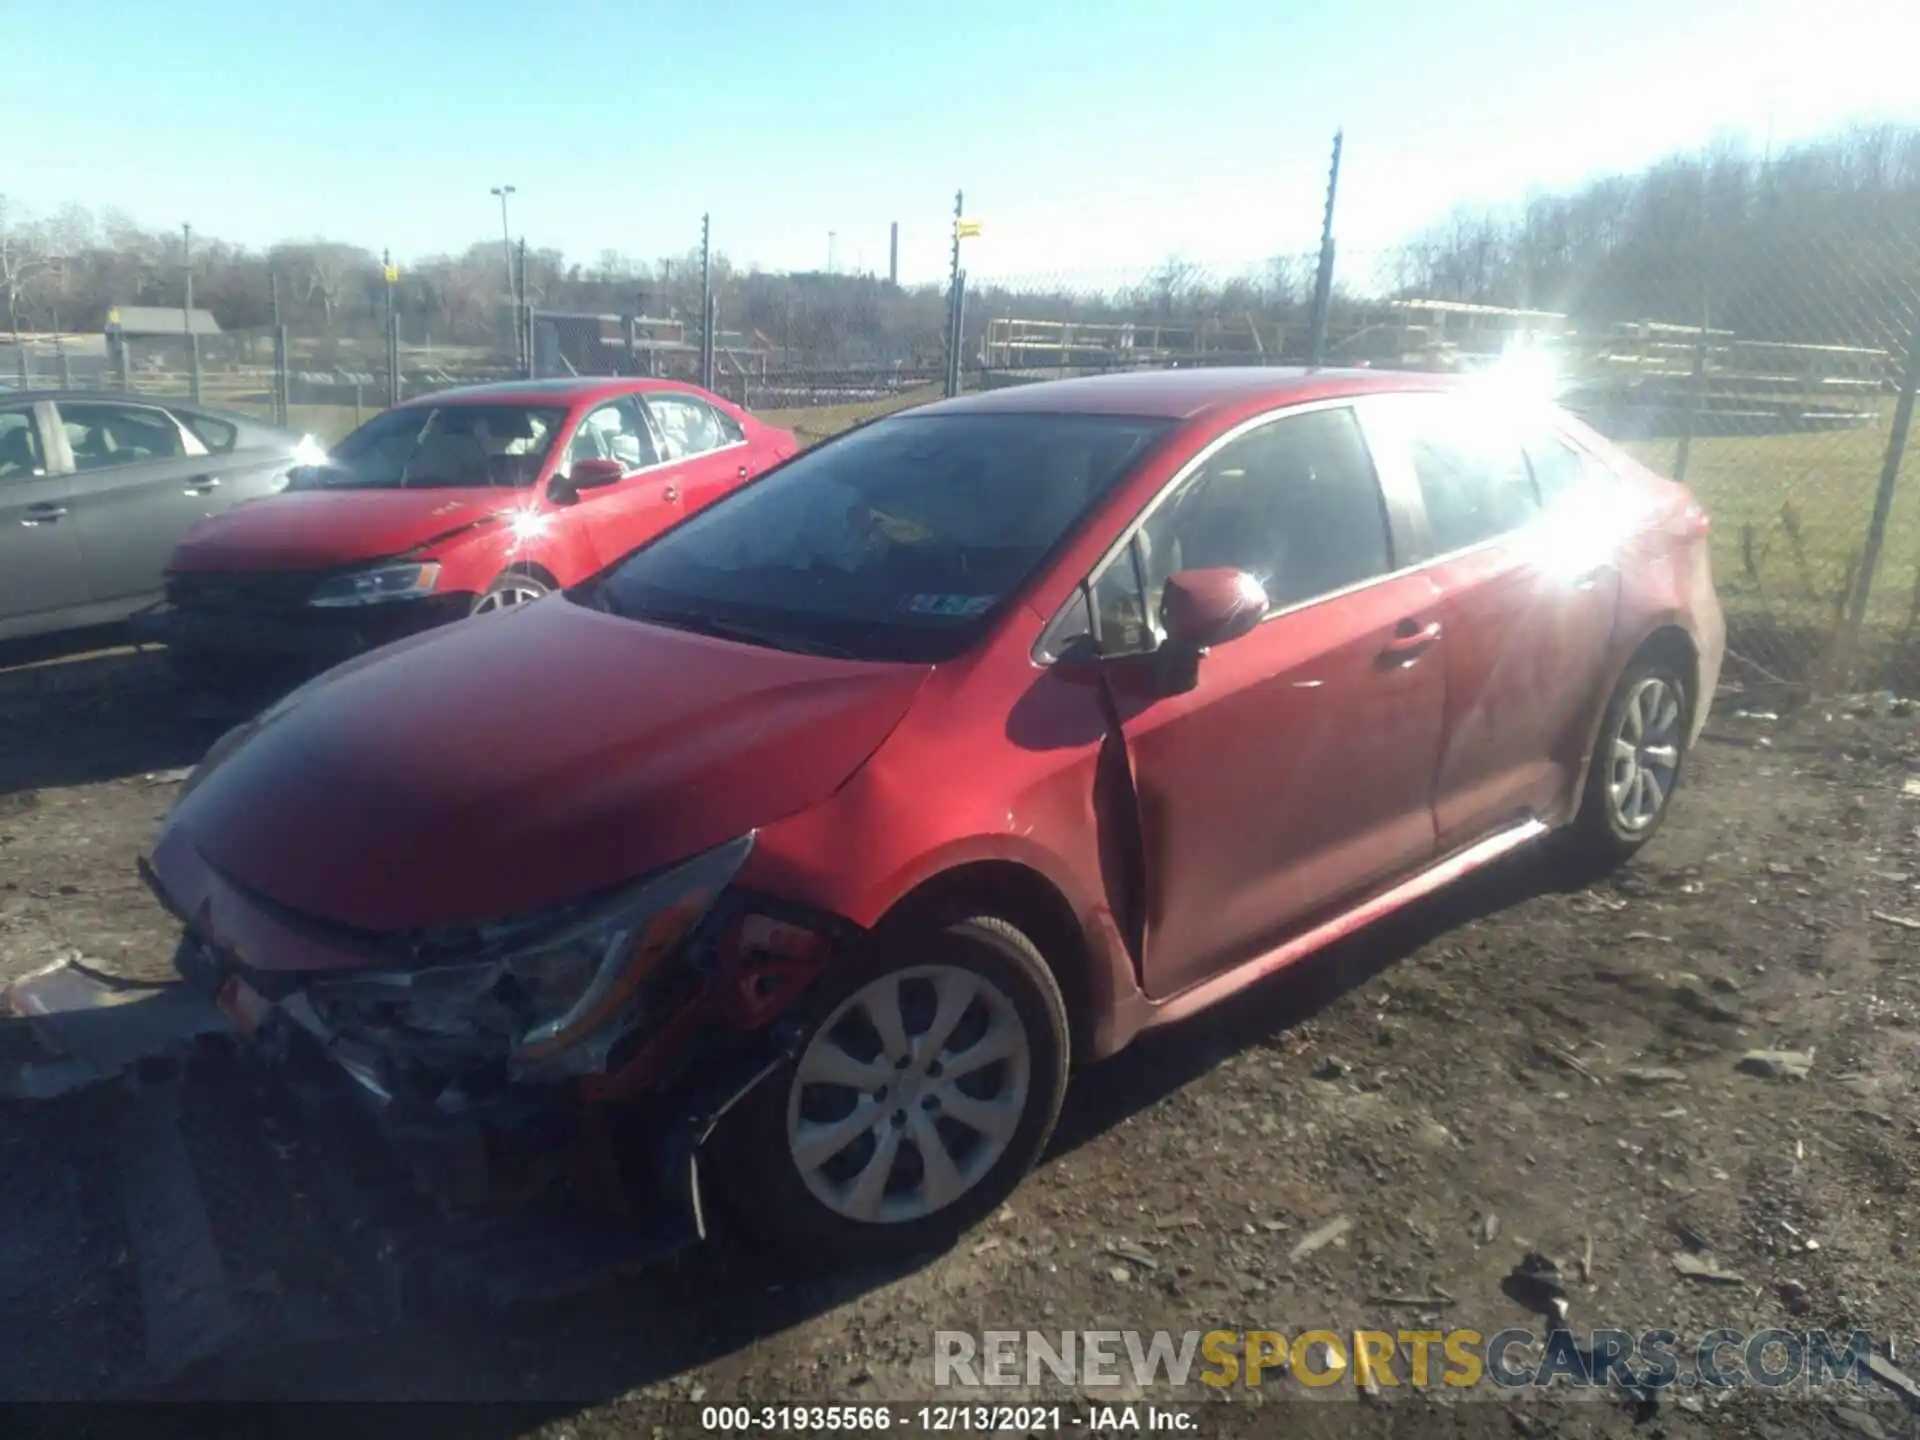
217,435
1294,503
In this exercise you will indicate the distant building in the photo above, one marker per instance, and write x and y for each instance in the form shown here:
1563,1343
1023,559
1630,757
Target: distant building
160,320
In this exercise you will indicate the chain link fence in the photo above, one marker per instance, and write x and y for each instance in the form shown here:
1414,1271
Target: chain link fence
1767,374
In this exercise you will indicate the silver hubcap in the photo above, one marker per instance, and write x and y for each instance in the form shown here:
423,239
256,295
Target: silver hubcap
1645,754
510,596
908,1094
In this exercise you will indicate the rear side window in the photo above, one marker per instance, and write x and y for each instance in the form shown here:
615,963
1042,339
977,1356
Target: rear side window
104,436
1472,470
688,424
217,435
20,444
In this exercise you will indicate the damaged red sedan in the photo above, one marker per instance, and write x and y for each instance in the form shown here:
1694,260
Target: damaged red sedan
805,850
452,504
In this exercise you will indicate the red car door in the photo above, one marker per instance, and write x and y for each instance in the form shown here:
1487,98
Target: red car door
1299,769
1527,607
623,516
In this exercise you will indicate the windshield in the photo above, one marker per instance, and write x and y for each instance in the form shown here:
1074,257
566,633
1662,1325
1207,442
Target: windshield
895,542
419,447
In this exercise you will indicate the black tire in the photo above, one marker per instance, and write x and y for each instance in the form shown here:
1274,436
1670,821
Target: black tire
757,1179
1599,835
509,591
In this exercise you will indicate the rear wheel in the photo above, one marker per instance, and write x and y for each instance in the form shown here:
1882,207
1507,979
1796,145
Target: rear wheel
928,1083
509,592
1637,761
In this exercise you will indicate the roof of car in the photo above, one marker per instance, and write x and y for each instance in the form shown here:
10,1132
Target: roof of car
1183,394
565,390
78,396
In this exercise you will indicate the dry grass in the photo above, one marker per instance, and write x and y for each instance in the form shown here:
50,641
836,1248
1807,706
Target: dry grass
1791,514
819,422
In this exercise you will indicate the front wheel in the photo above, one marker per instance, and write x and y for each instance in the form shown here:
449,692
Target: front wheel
928,1083
1637,762
509,592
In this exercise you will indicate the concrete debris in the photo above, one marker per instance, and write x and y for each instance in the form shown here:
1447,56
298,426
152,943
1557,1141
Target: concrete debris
1704,1269
1133,1255
1650,1075
1777,1064
1328,1234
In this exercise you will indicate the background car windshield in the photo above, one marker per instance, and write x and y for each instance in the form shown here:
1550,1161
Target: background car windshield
443,446
895,542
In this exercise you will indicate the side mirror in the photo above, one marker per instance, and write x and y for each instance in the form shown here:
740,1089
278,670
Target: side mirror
585,475
1203,608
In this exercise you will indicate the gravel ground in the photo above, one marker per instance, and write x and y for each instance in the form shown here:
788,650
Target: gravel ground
1374,1140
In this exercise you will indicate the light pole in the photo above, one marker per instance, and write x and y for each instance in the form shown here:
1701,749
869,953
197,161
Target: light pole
186,314
506,250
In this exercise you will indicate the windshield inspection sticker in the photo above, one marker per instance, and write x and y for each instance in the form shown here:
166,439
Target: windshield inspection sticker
960,607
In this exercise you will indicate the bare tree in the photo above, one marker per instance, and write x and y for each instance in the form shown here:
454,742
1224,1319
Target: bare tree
24,258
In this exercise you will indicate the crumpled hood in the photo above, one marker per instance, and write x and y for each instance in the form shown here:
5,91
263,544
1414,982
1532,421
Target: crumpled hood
318,529
510,762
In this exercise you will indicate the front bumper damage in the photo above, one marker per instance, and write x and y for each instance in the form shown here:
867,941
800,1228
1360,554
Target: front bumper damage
268,1199
261,633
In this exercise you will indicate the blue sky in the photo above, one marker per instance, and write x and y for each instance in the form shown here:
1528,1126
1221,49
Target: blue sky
1092,139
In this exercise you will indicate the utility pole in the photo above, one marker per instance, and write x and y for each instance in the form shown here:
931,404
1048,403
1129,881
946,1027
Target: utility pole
1323,280
186,314
514,298
389,274
281,385
953,298
706,302
893,255
523,317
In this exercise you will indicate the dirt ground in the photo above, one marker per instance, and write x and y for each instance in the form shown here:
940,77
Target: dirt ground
1517,1066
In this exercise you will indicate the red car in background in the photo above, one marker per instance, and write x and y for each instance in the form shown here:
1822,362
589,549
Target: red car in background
843,819
473,500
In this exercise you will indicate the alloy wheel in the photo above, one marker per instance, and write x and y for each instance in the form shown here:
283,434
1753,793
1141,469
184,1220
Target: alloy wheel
509,595
908,1094
1644,757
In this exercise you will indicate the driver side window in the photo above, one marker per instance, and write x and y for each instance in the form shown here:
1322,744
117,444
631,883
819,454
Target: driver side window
615,431
1294,503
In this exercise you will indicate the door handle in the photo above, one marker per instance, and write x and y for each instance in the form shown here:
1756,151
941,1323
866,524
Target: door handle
203,484
42,515
1410,641
672,493
1589,578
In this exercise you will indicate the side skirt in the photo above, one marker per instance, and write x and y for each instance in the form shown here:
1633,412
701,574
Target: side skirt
1435,877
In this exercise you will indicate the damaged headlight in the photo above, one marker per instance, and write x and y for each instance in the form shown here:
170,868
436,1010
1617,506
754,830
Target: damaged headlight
550,992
